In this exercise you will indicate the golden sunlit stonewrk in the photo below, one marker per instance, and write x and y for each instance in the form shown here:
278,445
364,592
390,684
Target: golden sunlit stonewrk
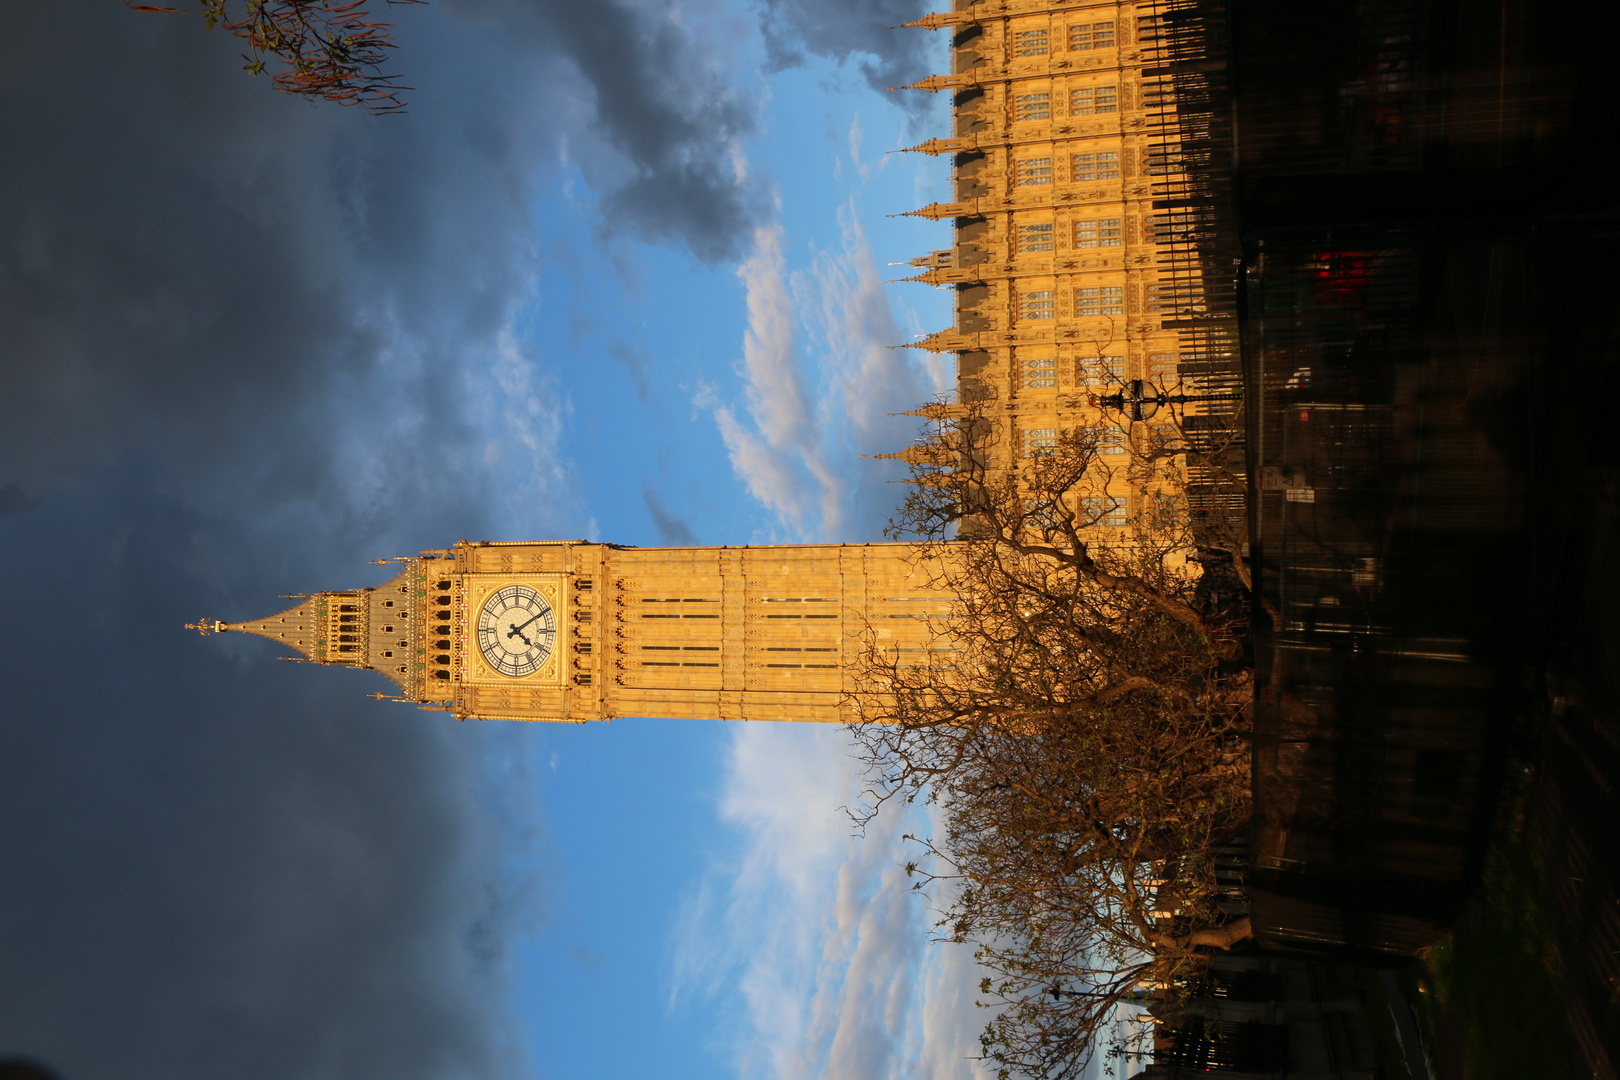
1064,262
576,631
1071,285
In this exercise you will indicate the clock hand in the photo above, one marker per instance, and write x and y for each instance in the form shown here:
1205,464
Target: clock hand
518,627
515,631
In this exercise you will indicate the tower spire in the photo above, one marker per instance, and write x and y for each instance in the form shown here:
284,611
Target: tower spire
935,211
934,146
935,83
297,627
936,20
377,628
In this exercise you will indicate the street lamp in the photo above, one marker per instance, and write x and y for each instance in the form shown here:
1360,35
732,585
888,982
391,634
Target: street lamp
1139,399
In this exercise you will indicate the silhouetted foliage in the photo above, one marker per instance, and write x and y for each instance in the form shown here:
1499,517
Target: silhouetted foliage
1081,722
328,49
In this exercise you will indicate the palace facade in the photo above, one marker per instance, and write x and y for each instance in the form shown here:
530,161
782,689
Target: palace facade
1075,264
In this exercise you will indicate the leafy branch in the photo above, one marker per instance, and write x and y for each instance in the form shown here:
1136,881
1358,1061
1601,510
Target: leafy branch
329,49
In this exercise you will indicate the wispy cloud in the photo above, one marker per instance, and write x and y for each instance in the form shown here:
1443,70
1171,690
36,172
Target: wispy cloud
777,449
818,929
855,320
946,1033
672,528
522,401
859,32
815,932
635,365
812,940
800,439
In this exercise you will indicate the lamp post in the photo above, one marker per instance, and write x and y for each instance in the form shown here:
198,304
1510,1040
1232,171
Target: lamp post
1138,399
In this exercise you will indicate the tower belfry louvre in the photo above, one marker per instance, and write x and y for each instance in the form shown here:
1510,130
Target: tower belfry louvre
578,631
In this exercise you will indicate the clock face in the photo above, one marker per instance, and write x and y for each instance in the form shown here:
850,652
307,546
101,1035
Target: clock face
516,631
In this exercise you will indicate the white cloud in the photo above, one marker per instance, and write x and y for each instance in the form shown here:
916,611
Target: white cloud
799,437
867,380
777,452
857,324
809,935
532,413
816,931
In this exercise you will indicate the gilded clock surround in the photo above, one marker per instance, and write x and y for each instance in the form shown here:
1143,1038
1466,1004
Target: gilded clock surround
477,592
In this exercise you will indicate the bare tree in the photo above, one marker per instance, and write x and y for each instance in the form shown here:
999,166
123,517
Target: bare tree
329,49
1081,721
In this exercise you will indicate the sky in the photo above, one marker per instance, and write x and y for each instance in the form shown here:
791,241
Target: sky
619,274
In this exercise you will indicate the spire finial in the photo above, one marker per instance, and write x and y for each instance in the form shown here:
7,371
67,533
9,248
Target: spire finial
935,20
207,626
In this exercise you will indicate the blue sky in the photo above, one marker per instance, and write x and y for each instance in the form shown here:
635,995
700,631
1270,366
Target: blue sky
710,912
679,380
618,274
707,910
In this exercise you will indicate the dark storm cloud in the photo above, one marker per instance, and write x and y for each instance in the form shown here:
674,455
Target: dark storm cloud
226,320
235,335
859,30
13,501
184,253
660,98
214,864
187,259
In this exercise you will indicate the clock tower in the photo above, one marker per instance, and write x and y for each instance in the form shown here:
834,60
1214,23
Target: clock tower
576,631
